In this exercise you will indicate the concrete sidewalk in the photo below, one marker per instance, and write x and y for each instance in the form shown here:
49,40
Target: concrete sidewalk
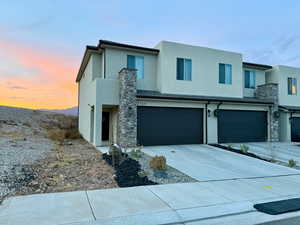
211,202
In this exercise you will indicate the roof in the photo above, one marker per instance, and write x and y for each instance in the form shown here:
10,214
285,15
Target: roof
104,43
257,66
290,108
158,95
85,59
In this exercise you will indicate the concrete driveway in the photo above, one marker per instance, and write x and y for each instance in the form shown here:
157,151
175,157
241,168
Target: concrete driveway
207,163
281,151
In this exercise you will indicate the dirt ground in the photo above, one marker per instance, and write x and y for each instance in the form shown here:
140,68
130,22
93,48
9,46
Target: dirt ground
42,152
75,165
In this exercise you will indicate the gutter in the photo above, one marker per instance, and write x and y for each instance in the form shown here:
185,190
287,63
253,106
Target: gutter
210,100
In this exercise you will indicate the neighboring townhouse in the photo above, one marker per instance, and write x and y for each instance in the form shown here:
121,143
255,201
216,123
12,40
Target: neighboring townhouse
289,100
181,94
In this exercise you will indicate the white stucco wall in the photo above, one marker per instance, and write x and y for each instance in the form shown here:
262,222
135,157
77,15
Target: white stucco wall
116,59
205,70
280,74
87,98
260,79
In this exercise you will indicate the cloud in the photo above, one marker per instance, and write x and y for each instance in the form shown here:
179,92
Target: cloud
40,23
280,51
17,87
36,78
286,43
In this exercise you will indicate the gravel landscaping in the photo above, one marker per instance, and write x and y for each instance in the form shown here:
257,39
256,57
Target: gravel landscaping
31,162
172,175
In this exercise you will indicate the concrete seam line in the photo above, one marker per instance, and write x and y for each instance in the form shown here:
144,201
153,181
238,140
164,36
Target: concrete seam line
88,199
180,218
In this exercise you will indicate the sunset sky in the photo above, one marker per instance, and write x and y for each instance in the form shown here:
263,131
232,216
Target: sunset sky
42,42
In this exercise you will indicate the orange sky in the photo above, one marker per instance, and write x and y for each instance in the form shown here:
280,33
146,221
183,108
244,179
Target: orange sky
35,78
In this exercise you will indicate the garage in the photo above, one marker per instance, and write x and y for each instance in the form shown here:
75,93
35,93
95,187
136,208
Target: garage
169,126
242,126
295,126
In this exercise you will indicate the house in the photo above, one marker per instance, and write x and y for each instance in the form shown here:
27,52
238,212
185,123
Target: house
182,94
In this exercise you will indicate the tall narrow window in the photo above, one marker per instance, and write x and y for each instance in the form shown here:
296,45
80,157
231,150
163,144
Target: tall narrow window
225,73
292,86
184,69
250,79
136,62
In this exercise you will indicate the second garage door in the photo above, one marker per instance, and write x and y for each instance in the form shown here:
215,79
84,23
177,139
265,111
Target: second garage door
295,125
169,126
242,126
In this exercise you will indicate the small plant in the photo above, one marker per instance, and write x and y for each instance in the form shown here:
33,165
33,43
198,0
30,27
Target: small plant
244,148
158,163
143,174
27,124
136,152
57,135
230,147
292,163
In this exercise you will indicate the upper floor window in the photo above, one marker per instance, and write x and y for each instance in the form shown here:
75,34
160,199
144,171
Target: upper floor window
249,79
225,73
136,62
292,86
184,69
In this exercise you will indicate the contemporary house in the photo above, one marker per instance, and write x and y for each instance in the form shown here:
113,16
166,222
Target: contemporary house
182,94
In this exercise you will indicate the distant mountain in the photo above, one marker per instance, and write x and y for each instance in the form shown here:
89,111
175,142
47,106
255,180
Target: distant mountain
70,111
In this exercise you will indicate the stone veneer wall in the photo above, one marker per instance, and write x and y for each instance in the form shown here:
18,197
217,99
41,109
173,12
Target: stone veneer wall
127,116
270,92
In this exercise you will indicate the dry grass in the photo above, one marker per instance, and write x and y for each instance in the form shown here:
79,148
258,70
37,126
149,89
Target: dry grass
61,127
158,163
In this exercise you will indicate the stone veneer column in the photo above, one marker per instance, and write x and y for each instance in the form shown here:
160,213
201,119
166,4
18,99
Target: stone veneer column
127,118
270,92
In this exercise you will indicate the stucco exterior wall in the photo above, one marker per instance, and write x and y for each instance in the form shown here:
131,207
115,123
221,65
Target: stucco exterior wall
116,59
205,70
280,74
260,79
87,98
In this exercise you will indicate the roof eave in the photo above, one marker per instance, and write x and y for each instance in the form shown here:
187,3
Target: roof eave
85,60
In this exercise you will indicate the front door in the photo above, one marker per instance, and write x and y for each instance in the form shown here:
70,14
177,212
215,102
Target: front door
105,126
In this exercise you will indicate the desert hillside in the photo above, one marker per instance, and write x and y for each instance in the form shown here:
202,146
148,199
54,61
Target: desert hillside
43,152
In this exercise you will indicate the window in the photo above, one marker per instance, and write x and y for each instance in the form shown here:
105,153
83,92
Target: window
225,73
136,62
292,86
184,69
249,79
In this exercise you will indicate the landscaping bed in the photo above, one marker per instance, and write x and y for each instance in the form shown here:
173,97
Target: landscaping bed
135,170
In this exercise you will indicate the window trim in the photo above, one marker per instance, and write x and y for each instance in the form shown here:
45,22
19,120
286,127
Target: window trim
290,86
184,69
143,72
250,72
225,64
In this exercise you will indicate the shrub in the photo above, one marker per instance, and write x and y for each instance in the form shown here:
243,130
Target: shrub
57,135
72,133
158,163
244,148
292,163
136,152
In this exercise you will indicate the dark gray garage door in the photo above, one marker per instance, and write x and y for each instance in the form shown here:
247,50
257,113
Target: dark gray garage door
242,126
295,125
169,126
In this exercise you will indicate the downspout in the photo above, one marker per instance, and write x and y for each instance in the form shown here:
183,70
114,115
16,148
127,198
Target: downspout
218,107
206,119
